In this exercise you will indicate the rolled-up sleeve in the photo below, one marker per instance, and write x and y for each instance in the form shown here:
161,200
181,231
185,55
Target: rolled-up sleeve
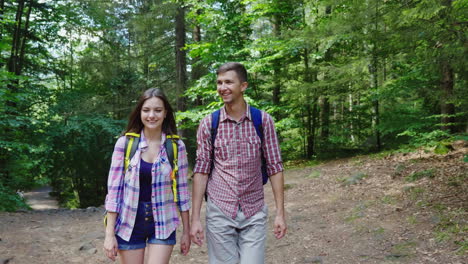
182,186
116,177
271,149
203,160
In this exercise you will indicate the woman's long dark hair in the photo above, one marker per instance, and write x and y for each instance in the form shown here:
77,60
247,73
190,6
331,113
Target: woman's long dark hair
134,122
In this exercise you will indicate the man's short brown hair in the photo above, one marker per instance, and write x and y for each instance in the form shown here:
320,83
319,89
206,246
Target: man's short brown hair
234,66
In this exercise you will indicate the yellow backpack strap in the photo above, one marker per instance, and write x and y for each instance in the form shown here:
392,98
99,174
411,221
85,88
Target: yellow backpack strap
131,146
175,163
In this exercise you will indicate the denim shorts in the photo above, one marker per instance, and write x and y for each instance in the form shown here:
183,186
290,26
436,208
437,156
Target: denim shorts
143,231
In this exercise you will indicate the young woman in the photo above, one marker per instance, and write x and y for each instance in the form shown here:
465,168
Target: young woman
140,203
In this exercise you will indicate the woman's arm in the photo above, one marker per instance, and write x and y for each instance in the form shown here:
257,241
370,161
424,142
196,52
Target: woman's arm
114,197
110,242
185,240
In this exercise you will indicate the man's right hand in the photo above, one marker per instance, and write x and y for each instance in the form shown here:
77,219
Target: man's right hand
196,232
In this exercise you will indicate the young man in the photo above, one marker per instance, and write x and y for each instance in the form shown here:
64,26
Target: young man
236,214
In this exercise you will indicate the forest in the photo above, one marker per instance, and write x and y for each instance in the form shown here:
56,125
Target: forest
340,78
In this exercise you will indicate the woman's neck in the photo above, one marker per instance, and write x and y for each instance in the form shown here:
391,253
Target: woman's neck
152,134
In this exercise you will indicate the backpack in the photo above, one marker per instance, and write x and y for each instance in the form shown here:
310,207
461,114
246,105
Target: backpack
131,145
257,121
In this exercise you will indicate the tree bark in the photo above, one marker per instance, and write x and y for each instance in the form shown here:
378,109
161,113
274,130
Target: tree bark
181,60
23,41
276,63
375,82
311,108
447,108
324,118
2,12
13,61
197,68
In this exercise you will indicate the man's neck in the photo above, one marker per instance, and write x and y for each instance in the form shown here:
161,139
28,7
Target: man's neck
236,110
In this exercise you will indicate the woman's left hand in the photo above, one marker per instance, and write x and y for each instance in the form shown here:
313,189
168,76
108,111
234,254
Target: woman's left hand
185,244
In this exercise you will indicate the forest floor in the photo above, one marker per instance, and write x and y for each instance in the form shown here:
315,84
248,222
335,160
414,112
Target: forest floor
400,208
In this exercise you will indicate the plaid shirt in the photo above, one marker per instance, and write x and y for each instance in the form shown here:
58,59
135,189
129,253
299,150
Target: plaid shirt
124,189
236,178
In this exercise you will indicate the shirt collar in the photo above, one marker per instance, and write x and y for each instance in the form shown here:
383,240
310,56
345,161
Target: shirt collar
223,116
144,144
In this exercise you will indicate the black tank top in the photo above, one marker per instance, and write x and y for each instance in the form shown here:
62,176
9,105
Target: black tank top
145,181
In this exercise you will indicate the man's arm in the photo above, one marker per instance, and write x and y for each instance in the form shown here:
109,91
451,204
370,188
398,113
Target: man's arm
277,185
272,154
198,192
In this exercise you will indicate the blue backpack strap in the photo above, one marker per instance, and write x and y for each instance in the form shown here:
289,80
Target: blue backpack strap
257,121
214,127
214,132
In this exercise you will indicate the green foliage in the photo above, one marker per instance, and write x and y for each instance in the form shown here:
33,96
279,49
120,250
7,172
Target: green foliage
428,139
337,76
10,201
85,144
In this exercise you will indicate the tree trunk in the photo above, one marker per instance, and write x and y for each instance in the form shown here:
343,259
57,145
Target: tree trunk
15,47
351,122
23,41
447,108
324,118
2,11
311,108
375,83
181,61
197,67
375,102
276,63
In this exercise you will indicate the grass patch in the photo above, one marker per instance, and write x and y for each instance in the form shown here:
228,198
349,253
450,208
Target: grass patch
288,186
402,250
398,170
463,247
314,174
387,199
379,231
353,179
295,164
356,213
414,193
420,174
412,219
452,227
457,181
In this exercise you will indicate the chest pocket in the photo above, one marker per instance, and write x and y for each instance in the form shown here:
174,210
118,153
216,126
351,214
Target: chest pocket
251,146
222,148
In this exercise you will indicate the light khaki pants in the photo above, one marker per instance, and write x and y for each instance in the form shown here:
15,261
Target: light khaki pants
240,240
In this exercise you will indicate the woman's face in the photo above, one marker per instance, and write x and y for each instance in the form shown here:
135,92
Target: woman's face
153,113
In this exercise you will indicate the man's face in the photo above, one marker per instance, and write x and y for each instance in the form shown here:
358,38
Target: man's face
229,87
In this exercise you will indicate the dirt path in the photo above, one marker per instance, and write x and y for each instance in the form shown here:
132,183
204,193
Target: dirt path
39,199
360,210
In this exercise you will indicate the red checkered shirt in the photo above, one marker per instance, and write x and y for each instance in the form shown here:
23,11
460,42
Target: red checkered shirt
236,179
